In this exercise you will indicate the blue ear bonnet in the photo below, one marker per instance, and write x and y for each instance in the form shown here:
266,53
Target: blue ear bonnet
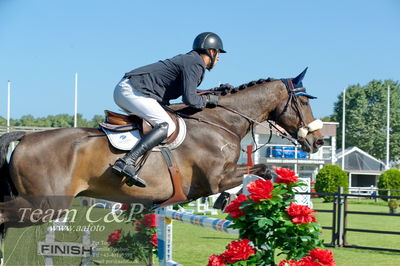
298,88
303,93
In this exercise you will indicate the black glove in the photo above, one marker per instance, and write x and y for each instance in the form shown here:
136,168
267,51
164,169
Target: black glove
223,87
211,100
226,86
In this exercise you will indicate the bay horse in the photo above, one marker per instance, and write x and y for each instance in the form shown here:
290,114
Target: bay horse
48,169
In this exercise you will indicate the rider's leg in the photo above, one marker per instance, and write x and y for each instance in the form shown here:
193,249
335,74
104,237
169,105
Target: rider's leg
149,109
134,102
126,165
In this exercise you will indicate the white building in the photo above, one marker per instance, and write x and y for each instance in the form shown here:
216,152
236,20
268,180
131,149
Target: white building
281,152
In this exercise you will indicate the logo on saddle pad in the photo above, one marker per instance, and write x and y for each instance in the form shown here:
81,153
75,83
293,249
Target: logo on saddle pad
126,140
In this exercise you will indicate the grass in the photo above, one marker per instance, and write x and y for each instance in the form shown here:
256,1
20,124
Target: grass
358,221
21,243
193,245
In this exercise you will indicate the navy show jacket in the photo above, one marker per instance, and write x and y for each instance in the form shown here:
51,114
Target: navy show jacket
171,78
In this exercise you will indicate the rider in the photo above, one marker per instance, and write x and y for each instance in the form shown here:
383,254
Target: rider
142,91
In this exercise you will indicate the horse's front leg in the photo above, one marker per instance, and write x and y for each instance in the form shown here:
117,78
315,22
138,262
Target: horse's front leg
235,177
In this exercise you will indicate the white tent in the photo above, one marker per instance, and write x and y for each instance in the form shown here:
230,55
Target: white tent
362,167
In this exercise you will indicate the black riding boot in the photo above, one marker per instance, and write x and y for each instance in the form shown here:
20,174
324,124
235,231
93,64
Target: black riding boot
126,166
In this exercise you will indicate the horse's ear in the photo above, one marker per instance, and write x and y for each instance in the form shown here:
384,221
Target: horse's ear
297,80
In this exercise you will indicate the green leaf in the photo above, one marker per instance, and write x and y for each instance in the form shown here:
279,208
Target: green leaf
282,229
305,238
262,222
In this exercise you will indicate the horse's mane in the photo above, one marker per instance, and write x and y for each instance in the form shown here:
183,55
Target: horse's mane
225,89
221,90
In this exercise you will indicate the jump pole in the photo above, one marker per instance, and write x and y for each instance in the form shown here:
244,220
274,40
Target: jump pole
166,215
249,158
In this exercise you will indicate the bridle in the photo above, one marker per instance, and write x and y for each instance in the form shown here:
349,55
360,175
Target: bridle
305,128
301,133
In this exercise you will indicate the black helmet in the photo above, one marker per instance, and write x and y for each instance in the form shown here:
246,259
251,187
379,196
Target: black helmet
208,40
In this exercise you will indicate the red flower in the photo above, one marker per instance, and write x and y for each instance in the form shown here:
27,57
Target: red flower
233,209
287,263
114,236
237,250
301,214
154,240
137,226
306,261
124,207
260,189
215,260
149,220
285,175
323,256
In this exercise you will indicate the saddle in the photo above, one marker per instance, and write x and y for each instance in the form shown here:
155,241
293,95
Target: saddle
121,123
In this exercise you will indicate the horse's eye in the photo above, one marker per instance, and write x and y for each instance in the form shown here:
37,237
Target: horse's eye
304,102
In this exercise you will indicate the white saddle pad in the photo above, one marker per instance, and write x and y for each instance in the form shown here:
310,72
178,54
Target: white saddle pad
127,140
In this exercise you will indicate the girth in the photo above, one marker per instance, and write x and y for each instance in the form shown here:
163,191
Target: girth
178,196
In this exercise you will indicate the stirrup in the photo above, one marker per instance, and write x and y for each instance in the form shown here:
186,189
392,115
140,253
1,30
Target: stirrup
136,180
119,165
124,169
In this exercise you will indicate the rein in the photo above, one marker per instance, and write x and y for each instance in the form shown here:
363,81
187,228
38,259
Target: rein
202,121
302,132
252,125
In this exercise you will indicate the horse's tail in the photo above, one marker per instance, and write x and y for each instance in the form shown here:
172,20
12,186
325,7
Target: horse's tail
5,141
5,180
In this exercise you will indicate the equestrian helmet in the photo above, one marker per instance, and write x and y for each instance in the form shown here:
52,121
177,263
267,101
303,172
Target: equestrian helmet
208,40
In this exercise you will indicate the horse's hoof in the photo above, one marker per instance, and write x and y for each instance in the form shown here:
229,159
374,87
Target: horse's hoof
267,175
222,201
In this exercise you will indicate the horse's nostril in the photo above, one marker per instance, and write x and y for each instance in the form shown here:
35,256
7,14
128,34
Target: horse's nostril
319,142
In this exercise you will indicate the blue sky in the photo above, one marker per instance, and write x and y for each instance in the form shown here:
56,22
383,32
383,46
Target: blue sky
44,42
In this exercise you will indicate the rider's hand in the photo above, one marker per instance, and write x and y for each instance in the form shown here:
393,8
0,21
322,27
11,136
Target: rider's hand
212,100
226,86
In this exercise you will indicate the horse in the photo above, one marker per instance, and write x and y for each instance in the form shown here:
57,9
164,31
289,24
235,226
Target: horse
48,169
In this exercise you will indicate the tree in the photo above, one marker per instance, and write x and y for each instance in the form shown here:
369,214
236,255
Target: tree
366,118
60,120
327,118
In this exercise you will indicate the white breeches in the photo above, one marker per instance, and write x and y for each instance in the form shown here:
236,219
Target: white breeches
134,102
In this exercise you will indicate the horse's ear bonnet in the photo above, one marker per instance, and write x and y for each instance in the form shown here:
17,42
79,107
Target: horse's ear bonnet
297,83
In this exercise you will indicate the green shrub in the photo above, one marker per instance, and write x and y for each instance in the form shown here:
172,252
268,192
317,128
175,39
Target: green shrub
390,179
393,204
329,178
